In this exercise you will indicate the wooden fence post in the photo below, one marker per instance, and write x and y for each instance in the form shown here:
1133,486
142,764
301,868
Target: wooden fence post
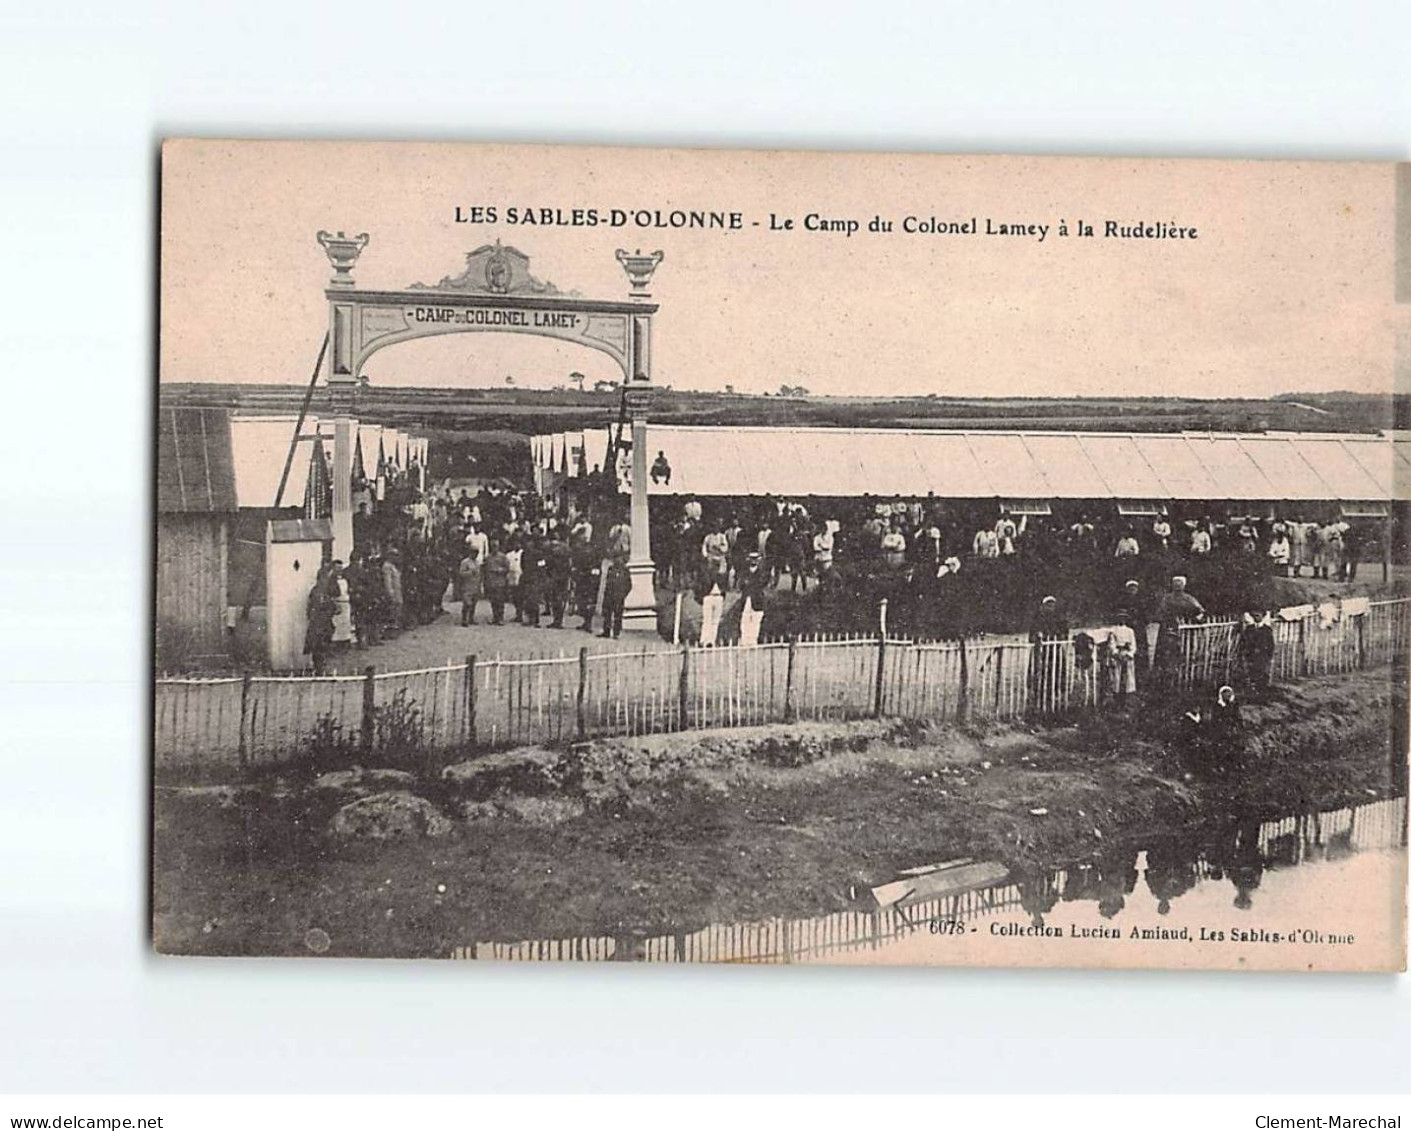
789,680
999,676
1302,646
369,707
582,692
1361,642
879,684
470,674
682,689
242,746
962,709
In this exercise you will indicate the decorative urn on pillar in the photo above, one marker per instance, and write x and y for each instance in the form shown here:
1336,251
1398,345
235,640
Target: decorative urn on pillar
639,270
343,252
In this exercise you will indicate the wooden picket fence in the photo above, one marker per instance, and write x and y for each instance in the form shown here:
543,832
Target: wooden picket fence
768,941
1302,648
253,721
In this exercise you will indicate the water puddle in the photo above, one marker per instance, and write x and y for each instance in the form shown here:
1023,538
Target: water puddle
1298,891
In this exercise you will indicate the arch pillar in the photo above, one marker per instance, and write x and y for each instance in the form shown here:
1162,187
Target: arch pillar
639,613
494,293
342,252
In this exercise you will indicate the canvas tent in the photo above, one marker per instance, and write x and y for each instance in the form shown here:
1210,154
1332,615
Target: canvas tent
393,447
1012,465
575,454
260,445
369,450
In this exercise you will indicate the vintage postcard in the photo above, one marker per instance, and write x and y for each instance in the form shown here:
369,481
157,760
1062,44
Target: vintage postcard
708,556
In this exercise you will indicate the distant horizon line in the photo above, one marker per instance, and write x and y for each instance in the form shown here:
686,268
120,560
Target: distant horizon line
1077,397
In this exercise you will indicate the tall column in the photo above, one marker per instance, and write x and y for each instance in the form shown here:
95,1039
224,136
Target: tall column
342,252
343,488
640,610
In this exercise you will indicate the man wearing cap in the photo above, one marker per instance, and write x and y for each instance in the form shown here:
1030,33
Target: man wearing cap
1176,607
468,586
1255,648
754,581
1134,611
1048,667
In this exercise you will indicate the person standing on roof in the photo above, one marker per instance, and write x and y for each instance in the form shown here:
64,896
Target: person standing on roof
661,469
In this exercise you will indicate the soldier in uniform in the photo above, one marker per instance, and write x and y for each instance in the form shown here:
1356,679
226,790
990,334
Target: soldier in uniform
558,577
618,585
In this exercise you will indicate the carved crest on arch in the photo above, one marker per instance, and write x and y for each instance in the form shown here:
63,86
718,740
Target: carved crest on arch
495,269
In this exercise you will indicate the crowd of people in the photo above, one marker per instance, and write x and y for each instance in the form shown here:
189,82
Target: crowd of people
945,569
954,569
504,550
515,557
940,569
948,570
932,536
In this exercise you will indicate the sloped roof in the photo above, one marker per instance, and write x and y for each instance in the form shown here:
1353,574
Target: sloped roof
195,468
957,464
301,530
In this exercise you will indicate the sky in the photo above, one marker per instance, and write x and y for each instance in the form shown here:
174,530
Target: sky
1288,286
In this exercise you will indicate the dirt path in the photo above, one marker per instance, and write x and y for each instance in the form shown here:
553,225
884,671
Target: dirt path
445,640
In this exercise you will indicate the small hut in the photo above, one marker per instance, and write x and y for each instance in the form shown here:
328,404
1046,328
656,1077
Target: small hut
196,508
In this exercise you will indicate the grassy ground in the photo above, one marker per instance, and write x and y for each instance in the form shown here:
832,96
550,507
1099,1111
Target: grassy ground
549,410
682,831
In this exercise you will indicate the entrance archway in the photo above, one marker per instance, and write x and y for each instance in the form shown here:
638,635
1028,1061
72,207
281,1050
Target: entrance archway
495,293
